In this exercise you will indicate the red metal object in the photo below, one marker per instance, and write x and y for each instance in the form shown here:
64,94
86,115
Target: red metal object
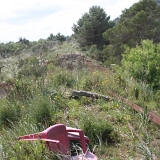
153,117
57,139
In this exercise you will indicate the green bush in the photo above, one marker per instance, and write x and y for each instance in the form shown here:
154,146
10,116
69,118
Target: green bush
58,101
99,131
11,48
92,81
142,63
9,114
41,111
33,67
64,79
94,52
22,91
88,85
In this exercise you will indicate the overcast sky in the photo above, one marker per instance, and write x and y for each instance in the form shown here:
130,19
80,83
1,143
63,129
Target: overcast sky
35,19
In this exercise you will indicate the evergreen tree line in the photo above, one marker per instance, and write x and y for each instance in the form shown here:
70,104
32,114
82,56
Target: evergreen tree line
111,41
132,40
16,48
141,21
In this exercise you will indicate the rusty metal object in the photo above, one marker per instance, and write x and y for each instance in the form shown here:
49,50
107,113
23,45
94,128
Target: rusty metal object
152,116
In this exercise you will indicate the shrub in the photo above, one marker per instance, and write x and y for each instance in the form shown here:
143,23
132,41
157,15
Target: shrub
93,52
99,130
9,114
92,81
64,79
41,111
88,85
58,100
33,67
142,63
22,91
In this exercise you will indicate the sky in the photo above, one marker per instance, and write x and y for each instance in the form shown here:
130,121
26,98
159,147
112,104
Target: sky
35,19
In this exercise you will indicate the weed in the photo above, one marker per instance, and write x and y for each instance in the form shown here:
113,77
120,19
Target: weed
9,115
41,111
31,150
64,79
99,131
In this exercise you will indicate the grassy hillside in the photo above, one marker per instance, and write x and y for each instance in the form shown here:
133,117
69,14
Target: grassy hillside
44,75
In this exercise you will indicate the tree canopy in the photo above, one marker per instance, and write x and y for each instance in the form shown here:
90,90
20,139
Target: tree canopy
139,22
58,37
90,27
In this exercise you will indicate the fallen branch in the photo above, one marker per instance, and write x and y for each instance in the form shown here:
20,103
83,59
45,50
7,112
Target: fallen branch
89,94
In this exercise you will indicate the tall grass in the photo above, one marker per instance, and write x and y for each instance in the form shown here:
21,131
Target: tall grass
37,101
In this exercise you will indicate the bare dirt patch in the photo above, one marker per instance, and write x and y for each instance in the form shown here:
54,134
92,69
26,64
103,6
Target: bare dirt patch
76,61
4,86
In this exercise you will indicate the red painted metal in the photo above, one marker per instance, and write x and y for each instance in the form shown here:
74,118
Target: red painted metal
152,116
57,138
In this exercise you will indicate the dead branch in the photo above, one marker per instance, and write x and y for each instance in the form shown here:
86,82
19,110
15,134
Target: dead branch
89,94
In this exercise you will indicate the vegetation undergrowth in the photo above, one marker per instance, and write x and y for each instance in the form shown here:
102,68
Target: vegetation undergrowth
41,95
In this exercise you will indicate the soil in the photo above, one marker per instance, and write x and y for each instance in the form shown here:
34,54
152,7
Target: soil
76,60
4,86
